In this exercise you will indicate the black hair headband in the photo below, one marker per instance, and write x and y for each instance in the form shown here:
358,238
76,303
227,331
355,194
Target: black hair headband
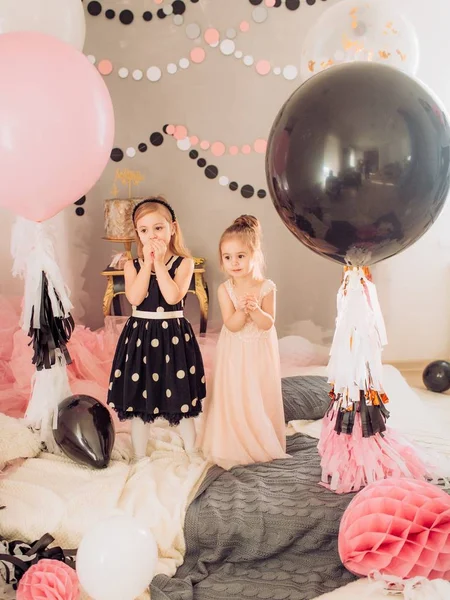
156,201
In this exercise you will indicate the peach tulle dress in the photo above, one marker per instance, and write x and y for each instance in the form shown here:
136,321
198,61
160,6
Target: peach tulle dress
244,417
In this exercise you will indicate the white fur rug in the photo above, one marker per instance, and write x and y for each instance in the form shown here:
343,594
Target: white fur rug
53,494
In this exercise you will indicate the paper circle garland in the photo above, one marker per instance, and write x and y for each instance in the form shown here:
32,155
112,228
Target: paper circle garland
126,16
185,142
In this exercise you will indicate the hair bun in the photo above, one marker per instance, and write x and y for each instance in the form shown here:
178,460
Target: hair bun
247,222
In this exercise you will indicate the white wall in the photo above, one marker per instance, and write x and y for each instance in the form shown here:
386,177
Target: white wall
414,287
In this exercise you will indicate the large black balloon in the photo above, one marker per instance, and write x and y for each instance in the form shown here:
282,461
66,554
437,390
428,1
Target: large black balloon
358,162
85,431
436,376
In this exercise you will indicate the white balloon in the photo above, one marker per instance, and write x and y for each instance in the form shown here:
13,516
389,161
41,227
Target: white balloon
63,19
360,30
116,559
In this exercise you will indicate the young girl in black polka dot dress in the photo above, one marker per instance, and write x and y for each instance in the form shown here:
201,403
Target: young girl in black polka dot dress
157,370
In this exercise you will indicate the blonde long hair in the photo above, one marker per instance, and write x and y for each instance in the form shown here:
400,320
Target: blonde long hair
248,229
158,204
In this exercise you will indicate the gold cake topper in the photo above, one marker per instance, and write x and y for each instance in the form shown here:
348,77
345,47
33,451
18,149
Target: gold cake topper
126,177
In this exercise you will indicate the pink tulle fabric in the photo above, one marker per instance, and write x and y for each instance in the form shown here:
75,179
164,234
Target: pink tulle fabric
349,462
92,353
49,580
399,527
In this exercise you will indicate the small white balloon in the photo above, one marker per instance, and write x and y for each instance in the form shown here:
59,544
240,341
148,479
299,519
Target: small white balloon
116,559
63,19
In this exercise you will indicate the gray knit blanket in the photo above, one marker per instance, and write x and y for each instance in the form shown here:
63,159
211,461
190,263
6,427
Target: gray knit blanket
266,531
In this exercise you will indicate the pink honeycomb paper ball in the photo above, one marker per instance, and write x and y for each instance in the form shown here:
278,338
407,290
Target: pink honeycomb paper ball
399,527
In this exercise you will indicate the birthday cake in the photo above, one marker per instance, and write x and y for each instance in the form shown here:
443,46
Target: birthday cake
118,218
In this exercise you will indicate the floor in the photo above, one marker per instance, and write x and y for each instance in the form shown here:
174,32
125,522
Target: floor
439,404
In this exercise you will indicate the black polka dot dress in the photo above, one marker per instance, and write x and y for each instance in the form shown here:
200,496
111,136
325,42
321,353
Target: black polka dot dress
157,370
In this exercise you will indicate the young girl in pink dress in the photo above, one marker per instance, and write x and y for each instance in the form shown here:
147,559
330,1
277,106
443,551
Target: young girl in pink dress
244,417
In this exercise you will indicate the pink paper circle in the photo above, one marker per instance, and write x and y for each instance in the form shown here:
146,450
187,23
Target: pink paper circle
260,146
105,67
233,150
204,145
244,26
198,55
158,1
246,149
270,3
180,132
212,36
218,148
263,67
194,140
170,129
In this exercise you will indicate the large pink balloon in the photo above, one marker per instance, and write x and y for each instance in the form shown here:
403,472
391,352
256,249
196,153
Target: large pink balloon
56,124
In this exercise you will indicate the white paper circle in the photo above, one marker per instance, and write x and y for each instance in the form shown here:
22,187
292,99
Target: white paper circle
227,47
154,74
193,31
290,72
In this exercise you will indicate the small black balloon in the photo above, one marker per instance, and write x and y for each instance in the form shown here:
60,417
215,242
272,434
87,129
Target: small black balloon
85,431
358,162
436,377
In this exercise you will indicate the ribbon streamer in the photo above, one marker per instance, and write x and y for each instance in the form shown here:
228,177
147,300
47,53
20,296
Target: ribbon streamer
355,368
53,332
46,319
17,557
